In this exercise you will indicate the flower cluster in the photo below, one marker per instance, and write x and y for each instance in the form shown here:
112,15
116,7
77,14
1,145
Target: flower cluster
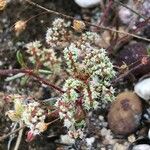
69,106
58,34
101,72
43,57
29,112
90,37
90,72
89,83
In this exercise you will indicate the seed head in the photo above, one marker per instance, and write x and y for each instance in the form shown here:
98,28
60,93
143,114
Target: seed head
2,4
78,25
41,126
19,26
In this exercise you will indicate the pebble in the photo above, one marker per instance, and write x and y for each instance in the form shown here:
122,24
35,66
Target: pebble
142,89
118,146
101,118
66,139
90,141
149,134
87,3
131,138
141,147
125,113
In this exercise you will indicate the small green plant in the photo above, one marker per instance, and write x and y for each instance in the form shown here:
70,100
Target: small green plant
87,84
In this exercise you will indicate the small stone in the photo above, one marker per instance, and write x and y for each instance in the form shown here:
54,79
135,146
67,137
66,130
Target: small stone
131,138
125,15
125,113
141,147
103,148
66,139
149,134
87,3
90,141
103,131
101,118
142,89
118,146
104,124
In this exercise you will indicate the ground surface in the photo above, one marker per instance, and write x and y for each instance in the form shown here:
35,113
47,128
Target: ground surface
36,28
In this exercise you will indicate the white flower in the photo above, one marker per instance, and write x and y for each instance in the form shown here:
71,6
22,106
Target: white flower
42,118
67,139
67,123
63,108
35,44
69,114
56,33
62,115
95,104
75,134
34,119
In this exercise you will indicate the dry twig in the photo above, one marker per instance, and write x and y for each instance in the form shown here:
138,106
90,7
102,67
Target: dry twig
19,137
7,135
86,22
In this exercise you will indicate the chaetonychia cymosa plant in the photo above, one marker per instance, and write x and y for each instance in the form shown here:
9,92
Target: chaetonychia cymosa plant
88,84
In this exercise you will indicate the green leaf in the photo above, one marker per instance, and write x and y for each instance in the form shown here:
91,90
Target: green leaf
24,80
20,59
45,71
80,124
148,51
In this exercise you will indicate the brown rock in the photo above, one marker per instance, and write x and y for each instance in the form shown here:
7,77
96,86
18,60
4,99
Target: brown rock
125,113
132,55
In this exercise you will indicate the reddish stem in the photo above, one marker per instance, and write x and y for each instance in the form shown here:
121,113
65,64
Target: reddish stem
30,73
105,13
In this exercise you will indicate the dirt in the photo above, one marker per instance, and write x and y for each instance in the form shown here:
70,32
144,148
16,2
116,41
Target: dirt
36,28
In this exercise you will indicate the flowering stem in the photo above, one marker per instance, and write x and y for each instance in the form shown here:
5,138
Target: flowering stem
30,73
